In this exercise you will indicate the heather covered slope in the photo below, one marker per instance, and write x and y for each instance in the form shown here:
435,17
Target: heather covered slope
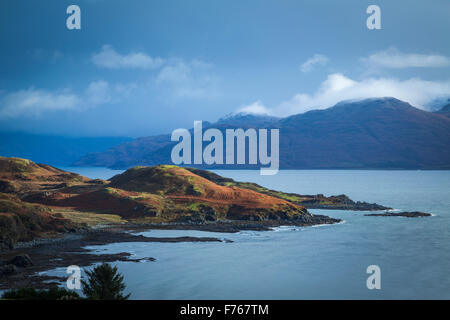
318,201
181,186
22,221
164,192
379,133
22,175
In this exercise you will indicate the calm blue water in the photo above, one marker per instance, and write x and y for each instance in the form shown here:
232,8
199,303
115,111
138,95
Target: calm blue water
325,262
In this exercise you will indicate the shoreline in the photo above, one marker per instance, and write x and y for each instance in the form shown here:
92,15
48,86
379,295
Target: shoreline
70,249
52,253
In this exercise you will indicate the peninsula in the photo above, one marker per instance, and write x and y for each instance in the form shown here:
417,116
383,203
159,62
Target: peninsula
40,201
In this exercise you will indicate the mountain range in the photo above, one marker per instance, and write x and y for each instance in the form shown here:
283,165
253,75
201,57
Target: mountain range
445,110
377,133
51,149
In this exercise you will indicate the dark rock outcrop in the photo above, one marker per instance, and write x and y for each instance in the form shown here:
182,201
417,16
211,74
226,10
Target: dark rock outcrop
8,270
414,214
21,261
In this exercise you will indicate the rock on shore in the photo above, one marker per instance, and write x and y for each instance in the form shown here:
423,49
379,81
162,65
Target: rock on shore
414,214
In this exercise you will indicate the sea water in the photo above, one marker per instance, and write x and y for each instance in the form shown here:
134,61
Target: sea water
322,262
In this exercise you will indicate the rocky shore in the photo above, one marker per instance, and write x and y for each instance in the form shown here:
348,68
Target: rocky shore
341,202
20,267
38,201
51,216
414,214
70,249
236,226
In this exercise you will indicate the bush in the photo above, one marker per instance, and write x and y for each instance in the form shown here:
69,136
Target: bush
54,293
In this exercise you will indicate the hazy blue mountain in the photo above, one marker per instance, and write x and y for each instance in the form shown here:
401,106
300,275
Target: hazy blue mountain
54,150
246,120
372,133
438,103
445,110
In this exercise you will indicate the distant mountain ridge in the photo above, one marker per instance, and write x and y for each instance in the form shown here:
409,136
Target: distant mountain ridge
377,133
54,150
445,110
244,119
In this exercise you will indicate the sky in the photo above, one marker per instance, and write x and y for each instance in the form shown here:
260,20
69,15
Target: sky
139,68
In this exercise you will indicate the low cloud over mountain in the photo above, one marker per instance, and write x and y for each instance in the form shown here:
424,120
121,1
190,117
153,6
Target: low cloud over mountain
370,133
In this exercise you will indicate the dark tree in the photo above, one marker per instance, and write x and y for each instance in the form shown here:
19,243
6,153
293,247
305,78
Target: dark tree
104,283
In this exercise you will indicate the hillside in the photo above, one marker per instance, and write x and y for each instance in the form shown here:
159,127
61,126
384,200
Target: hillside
318,201
379,133
204,198
22,221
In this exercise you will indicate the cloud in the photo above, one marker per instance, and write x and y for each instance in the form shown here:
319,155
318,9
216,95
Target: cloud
111,59
394,59
177,80
317,59
338,87
193,80
98,92
255,108
102,92
35,102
